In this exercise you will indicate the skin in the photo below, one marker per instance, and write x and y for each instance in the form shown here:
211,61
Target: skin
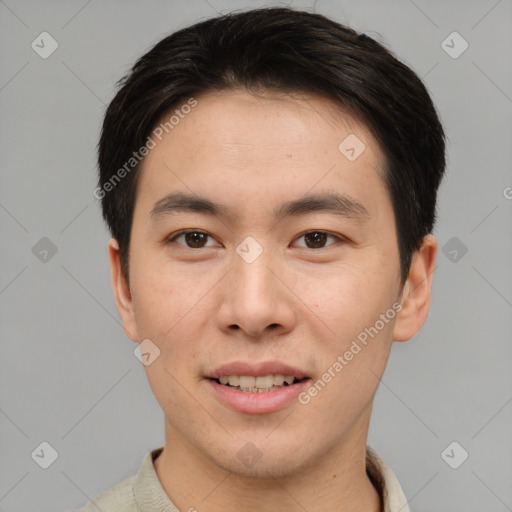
295,303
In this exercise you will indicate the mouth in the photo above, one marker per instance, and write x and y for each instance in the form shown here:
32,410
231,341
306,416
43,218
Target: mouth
258,384
257,388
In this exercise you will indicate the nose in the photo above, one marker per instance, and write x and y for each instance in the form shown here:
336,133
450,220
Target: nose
256,299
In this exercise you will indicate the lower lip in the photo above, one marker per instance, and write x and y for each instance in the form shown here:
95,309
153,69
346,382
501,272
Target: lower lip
258,403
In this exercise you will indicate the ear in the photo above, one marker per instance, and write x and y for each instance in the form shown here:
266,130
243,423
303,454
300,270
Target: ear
416,292
122,293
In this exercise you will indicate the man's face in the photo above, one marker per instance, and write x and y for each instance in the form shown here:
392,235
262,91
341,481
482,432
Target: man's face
211,299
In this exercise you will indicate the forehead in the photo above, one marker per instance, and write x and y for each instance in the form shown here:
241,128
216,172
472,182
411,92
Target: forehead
261,147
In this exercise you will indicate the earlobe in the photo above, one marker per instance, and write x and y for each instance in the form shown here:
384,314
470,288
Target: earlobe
417,290
121,290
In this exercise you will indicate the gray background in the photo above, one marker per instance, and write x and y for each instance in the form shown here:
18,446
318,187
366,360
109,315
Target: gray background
68,375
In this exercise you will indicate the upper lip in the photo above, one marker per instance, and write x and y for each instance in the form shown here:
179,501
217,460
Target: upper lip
256,369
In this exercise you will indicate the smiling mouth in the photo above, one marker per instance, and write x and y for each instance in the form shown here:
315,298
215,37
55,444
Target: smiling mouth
260,384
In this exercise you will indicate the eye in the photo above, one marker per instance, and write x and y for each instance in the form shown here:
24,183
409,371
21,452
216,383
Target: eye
192,239
317,239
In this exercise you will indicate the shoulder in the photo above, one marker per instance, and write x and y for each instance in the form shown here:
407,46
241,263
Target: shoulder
118,498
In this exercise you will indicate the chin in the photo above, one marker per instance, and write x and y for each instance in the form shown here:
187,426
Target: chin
261,459
275,467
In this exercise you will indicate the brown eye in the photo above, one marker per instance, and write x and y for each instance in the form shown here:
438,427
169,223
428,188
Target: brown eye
195,239
192,239
317,239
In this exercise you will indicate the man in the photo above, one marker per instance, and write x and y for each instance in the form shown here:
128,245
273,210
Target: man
269,179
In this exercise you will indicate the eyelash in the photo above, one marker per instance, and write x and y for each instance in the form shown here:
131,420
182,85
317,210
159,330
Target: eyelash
184,232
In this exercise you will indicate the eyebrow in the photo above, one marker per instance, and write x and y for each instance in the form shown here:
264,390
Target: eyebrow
328,202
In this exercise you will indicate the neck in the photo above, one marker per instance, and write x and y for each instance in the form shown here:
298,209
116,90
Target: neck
336,482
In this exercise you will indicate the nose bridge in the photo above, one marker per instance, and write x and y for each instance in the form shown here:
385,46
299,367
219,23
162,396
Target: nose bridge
256,298
254,283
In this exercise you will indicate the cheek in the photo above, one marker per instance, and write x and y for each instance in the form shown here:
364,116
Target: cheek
164,298
346,298
350,369
175,321
172,320
353,341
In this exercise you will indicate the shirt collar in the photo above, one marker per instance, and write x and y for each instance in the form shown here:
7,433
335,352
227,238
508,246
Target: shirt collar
147,489
150,495
386,482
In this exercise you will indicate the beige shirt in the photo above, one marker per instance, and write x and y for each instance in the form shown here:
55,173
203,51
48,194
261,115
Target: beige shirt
144,493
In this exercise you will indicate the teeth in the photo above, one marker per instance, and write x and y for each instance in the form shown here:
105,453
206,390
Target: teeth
260,390
265,382
253,384
246,381
278,380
